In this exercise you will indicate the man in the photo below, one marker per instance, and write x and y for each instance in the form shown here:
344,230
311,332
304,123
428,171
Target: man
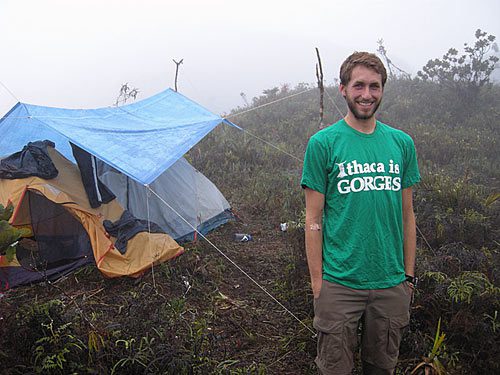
360,227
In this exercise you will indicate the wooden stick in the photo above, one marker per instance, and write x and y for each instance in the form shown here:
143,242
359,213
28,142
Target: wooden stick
319,76
177,72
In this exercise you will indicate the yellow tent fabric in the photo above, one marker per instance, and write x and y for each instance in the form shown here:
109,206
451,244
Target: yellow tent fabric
143,250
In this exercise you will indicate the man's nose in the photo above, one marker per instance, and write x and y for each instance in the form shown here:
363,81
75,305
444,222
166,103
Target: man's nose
366,92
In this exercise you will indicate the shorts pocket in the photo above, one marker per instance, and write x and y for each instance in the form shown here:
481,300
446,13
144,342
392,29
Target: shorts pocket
330,344
397,327
408,289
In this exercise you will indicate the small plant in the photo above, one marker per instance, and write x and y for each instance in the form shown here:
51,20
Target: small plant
469,284
490,199
493,319
432,363
135,355
95,342
42,329
176,306
52,350
439,277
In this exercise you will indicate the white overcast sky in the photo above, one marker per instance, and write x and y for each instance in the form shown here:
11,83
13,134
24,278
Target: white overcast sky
76,54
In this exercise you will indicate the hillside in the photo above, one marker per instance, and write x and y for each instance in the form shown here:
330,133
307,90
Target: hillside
226,307
200,314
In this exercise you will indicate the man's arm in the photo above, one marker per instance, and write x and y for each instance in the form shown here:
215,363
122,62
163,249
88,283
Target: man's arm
315,203
409,232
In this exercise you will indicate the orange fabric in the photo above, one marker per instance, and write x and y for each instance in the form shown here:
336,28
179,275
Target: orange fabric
143,250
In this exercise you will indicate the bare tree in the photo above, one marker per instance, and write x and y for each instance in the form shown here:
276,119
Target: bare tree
394,70
126,92
244,97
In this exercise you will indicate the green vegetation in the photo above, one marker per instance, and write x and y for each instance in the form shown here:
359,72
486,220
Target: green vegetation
8,234
200,315
463,75
431,363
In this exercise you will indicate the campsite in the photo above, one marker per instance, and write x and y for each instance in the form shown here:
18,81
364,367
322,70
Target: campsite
190,299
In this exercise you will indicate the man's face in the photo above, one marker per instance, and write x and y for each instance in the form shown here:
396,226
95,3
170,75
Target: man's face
363,93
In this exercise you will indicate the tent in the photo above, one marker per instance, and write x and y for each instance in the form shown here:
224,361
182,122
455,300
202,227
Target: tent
136,147
196,200
68,233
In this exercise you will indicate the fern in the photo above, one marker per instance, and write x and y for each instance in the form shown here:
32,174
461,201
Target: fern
469,284
438,276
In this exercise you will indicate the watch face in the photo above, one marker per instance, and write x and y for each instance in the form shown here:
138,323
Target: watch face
412,280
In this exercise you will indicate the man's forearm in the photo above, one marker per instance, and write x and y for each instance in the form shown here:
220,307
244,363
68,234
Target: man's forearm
410,243
409,232
314,253
315,202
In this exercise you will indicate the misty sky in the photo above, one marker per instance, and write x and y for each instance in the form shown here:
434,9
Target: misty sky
76,54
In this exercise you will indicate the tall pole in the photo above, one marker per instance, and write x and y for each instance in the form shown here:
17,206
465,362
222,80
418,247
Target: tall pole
177,72
321,87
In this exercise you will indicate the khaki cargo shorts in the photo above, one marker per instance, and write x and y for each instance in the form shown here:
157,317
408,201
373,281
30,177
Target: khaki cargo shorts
384,314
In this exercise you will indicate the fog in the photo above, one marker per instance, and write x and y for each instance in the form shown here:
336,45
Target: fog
77,54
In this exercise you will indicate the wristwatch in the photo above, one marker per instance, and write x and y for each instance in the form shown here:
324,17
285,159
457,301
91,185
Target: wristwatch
413,280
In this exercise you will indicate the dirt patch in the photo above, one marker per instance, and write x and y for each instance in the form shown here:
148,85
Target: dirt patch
200,308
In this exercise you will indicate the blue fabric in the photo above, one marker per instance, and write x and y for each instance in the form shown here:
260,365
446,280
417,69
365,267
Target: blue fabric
141,140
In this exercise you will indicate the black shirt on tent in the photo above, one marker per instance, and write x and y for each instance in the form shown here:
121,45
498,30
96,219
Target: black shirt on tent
127,227
32,160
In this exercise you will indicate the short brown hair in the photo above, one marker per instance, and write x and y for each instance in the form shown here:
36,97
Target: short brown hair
369,60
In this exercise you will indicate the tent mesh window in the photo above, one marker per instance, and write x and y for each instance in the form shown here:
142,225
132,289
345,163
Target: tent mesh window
59,240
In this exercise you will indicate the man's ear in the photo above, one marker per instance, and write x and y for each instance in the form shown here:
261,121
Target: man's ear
342,90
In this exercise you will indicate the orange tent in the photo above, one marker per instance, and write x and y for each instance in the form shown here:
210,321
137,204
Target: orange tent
59,215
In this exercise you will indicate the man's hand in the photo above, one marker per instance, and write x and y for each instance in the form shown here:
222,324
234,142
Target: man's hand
316,287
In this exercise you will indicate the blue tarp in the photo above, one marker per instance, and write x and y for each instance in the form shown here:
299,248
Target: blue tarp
141,140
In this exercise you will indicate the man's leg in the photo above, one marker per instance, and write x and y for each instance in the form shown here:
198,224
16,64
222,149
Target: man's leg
387,315
337,311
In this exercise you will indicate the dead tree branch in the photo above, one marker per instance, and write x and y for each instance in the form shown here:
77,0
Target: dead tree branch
177,72
321,87
126,92
390,65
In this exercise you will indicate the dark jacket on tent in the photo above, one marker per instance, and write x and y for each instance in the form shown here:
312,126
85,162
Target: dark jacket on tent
96,191
127,227
32,160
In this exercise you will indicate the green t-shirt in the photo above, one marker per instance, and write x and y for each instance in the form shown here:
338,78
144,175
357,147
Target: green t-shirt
361,176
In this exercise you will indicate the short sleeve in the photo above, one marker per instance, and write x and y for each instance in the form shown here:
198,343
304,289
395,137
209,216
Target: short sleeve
411,174
314,172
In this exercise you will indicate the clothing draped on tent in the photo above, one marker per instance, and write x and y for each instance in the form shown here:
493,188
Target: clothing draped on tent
66,230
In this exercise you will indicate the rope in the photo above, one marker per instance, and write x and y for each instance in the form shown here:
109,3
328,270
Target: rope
274,146
232,261
425,240
266,104
10,92
334,103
